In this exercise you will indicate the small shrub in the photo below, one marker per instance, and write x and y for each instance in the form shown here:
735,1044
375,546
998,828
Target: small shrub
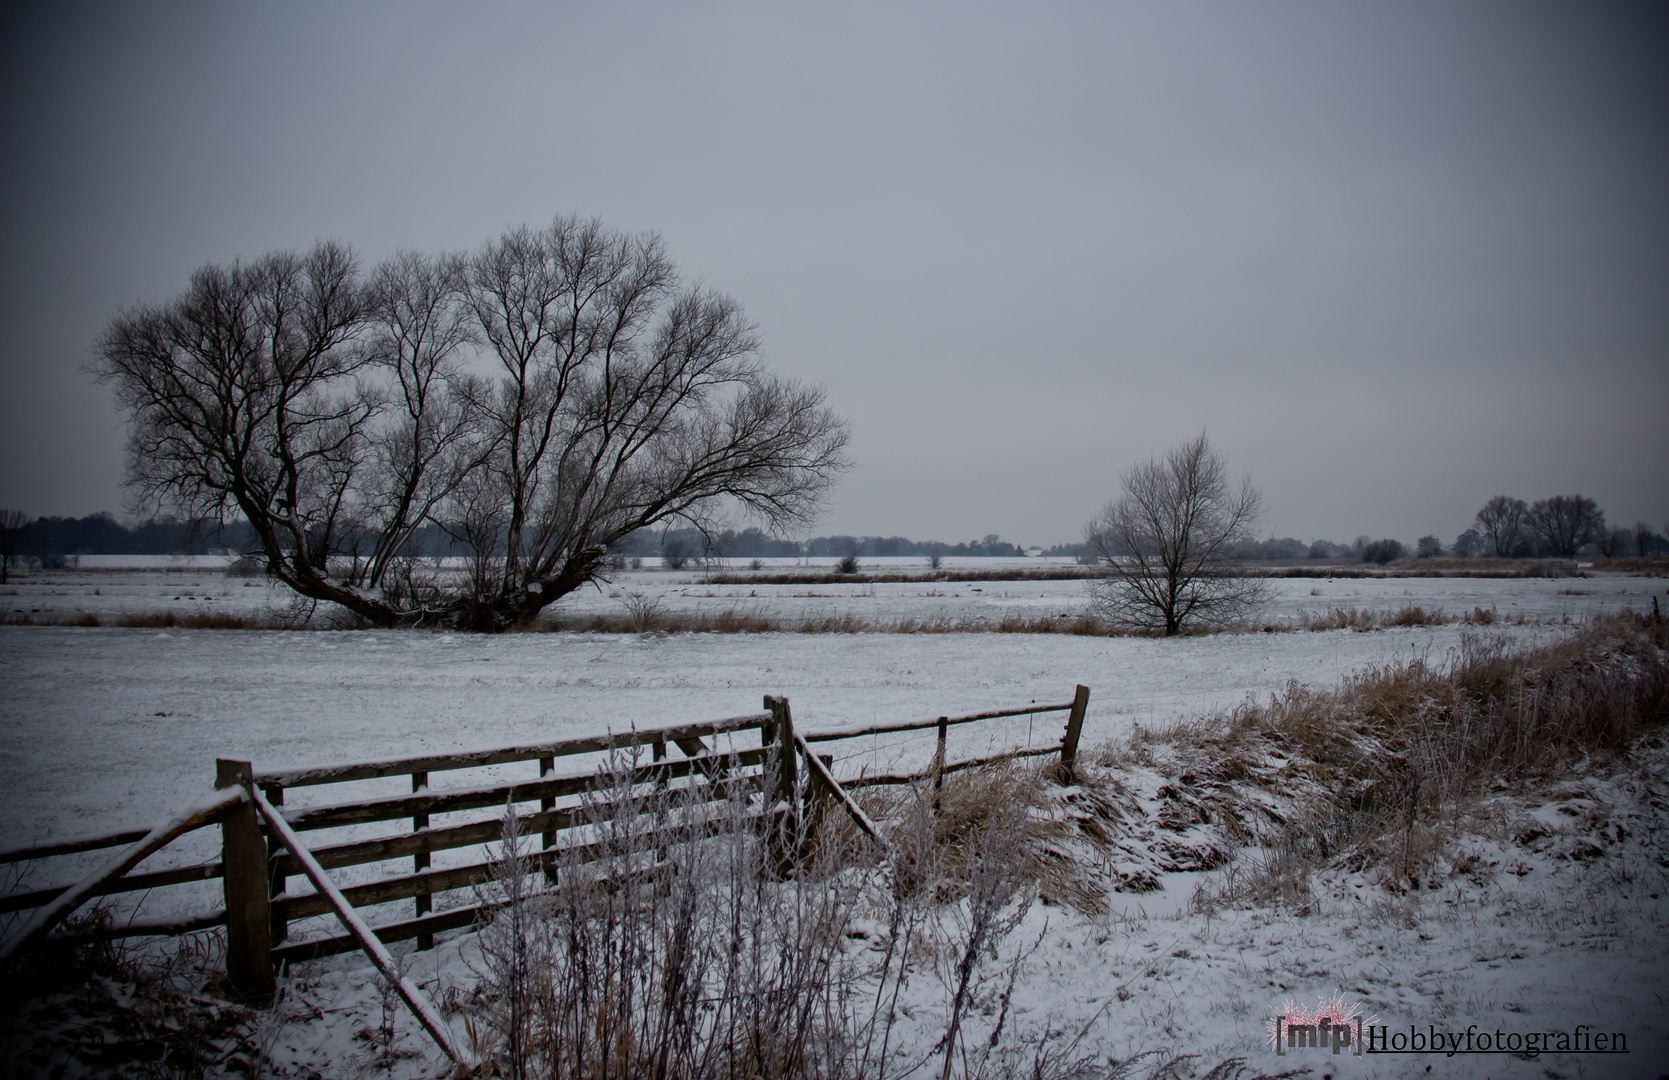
246,566
675,553
848,564
1383,551
1414,615
644,611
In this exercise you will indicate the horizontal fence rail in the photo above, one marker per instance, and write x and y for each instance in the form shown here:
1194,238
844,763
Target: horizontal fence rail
338,774
1067,747
75,845
261,853
831,734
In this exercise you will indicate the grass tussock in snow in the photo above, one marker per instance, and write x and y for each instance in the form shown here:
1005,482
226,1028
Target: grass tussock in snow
111,1008
1378,771
1363,619
943,829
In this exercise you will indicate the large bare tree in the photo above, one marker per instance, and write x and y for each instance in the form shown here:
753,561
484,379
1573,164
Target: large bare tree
1166,547
539,401
1501,522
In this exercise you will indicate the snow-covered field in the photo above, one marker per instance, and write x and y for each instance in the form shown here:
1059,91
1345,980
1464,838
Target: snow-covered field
103,728
202,586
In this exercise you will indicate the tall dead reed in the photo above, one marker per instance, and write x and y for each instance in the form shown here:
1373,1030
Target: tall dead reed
677,942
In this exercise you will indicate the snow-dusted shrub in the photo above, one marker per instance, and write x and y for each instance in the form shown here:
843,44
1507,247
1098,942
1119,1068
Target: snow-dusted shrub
1383,551
644,611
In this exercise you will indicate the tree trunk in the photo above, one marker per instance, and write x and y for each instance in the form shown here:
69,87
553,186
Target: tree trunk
520,606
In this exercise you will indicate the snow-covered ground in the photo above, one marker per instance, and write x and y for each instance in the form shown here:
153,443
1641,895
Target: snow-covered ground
104,728
200,587
1551,916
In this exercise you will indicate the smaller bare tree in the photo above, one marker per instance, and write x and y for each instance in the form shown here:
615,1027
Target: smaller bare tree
1614,543
1501,523
1644,539
1166,547
1564,523
14,527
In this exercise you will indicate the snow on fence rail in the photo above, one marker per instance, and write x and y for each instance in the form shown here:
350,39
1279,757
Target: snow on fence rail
258,861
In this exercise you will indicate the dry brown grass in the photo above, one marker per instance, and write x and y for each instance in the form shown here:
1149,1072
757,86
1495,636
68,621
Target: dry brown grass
1383,764
1464,568
744,620
153,620
1649,566
1049,573
192,620
1366,619
952,820
114,1009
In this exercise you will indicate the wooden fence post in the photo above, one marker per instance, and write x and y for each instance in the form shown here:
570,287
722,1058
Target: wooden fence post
939,762
423,903
243,852
785,827
1074,728
787,758
815,808
547,858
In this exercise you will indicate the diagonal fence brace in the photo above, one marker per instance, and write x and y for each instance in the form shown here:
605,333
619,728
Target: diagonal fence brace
432,1023
195,816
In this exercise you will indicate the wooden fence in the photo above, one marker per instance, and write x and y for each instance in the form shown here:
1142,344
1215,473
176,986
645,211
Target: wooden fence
262,851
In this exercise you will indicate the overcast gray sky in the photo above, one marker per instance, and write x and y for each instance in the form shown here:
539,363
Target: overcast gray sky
1395,258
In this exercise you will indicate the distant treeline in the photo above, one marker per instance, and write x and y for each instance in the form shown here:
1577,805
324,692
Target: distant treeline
52,538
691,544
753,543
51,541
